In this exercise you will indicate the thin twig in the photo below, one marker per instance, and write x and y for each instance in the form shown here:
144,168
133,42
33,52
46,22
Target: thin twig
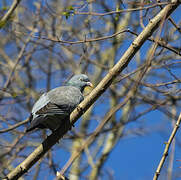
170,19
9,12
165,153
111,12
14,126
57,39
9,79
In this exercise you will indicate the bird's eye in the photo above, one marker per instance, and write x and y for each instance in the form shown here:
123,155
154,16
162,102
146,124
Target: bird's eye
81,79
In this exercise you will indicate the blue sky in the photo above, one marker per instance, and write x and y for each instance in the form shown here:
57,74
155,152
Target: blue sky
136,156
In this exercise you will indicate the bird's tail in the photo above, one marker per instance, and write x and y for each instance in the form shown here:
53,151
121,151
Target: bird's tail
29,128
35,123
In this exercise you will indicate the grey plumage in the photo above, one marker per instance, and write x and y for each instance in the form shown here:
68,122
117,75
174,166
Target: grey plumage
54,107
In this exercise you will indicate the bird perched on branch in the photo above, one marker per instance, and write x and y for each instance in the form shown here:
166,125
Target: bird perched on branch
55,107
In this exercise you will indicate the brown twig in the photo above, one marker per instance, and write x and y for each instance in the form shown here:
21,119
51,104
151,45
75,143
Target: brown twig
170,19
161,43
113,12
57,39
7,83
81,41
14,126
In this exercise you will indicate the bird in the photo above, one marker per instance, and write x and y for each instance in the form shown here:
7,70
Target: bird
54,107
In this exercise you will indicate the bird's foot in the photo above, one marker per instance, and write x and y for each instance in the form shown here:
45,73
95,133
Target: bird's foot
80,109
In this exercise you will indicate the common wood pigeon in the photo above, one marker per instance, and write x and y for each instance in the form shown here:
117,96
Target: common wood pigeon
55,106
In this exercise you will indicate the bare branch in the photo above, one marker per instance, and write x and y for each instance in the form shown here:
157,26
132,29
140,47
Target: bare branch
165,153
5,18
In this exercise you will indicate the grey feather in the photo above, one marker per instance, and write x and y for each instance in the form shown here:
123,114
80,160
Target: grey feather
54,107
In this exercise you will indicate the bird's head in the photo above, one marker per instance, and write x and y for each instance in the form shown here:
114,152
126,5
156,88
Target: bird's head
80,81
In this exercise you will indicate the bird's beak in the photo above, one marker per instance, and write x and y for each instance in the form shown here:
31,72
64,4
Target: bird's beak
90,84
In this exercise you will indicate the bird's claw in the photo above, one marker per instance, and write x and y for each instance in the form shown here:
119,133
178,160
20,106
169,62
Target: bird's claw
80,109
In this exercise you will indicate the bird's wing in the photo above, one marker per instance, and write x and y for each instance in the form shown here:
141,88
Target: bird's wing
42,101
65,96
61,100
52,109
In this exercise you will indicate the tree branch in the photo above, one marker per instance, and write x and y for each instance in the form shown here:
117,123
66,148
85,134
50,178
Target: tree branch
165,153
14,126
5,18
